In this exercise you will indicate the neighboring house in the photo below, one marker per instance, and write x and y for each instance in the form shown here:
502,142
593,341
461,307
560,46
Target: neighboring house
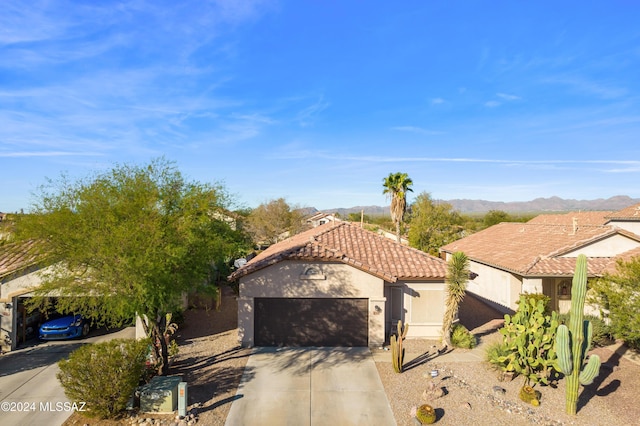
321,218
540,256
338,285
18,276
393,236
228,217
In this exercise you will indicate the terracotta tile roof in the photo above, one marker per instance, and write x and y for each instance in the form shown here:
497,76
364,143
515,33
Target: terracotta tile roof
519,247
581,218
16,256
627,256
565,266
348,243
628,213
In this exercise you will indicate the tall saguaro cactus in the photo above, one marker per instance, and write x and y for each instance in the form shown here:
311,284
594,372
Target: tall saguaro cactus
397,351
573,342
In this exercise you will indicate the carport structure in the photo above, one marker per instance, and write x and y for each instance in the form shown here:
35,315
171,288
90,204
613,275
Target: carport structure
338,285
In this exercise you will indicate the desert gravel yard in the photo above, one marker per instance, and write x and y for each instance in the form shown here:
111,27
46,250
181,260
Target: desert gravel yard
213,363
470,397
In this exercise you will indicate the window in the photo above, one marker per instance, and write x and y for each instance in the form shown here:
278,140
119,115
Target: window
312,273
564,289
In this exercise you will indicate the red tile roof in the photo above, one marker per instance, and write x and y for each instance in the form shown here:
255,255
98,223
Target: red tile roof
16,256
627,256
579,218
628,213
535,248
348,243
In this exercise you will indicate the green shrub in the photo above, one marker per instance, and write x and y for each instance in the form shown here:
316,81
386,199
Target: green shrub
602,334
617,296
462,338
104,375
494,352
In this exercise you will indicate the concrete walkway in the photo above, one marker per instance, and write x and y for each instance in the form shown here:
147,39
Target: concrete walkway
457,355
310,386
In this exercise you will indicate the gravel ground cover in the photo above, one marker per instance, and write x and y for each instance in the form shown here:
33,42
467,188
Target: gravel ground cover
212,363
473,394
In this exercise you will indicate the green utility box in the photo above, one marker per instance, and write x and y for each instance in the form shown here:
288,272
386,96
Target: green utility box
160,395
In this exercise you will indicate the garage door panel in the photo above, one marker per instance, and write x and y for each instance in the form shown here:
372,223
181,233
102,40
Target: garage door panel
311,322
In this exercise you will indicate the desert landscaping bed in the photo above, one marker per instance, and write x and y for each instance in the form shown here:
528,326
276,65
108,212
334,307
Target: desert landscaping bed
475,396
211,361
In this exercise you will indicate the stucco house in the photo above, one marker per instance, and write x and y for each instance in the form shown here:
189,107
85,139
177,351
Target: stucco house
18,277
321,218
338,285
540,256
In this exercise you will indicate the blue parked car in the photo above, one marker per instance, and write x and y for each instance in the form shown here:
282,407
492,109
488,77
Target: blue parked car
68,327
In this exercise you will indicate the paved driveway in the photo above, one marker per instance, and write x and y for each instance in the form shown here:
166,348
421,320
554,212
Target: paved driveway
30,393
311,386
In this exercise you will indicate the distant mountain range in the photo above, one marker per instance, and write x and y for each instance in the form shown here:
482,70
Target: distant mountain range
539,205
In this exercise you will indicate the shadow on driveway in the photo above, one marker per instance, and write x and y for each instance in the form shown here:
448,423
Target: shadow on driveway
294,359
35,357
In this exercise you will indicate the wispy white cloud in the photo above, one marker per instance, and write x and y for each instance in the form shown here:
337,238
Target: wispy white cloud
591,87
309,114
306,153
508,97
25,154
415,129
437,101
503,96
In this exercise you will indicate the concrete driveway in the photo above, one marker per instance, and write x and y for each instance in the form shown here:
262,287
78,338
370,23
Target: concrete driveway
30,393
310,386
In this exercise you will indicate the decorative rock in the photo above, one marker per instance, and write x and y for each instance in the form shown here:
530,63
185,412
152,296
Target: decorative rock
498,391
506,376
432,392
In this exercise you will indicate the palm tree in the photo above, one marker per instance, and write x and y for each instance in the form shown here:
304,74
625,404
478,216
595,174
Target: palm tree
396,186
457,278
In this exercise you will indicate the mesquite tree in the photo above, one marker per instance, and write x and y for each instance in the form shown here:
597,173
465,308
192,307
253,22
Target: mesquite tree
129,241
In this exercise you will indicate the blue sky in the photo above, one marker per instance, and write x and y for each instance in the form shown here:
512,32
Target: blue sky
317,101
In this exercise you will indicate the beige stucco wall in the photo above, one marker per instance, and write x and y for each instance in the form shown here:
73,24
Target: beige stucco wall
9,292
608,247
630,225
499,286
288,279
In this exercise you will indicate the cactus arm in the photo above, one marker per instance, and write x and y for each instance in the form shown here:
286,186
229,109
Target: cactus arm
563,349
590,371
394,353
397,351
